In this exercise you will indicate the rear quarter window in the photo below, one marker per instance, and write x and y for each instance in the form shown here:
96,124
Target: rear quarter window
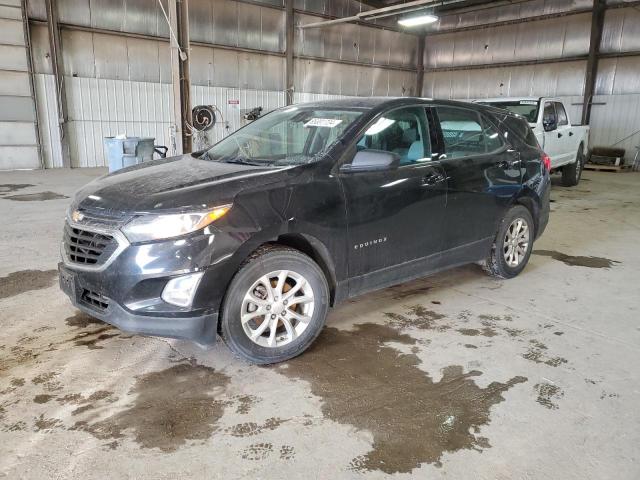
522,130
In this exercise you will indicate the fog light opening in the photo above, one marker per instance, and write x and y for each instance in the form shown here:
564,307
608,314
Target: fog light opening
180,291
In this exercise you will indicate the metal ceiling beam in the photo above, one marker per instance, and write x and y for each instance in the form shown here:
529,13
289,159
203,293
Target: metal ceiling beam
597,24
516,21
289,32
32,86
420,66
390,11
55,47
180,75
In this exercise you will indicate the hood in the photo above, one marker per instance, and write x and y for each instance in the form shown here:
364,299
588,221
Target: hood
173,184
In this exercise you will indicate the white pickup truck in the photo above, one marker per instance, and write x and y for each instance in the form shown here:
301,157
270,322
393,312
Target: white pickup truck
566,144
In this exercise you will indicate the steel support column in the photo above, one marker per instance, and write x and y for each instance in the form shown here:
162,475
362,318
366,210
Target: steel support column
597,23
180,76
289,25
55,46
420,65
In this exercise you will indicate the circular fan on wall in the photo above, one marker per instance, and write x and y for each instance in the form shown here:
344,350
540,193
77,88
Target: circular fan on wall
204,117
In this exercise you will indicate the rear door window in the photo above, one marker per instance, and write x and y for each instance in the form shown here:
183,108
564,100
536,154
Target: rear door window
522,130
466,133
561,113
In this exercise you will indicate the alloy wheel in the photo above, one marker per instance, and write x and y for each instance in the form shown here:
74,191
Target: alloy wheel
516,242
277,308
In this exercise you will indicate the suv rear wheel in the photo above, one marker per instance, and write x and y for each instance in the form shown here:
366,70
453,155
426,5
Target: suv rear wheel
571,173
275,307
513,244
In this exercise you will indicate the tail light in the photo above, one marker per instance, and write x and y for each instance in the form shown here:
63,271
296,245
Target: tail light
547,162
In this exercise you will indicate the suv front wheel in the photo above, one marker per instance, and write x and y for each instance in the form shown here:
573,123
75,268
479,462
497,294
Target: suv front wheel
276,305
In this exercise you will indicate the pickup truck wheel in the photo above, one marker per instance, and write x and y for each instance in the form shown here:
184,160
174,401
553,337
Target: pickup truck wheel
512,246
571,173
275,307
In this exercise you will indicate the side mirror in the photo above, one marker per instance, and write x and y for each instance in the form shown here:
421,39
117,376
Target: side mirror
372,160
549,124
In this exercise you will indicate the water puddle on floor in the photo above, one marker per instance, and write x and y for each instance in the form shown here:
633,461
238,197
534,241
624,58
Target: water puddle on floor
25,281
35,197
169,408
13,187
366,383
590,262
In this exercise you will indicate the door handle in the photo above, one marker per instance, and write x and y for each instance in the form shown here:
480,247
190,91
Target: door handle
432,178
559,135
507,163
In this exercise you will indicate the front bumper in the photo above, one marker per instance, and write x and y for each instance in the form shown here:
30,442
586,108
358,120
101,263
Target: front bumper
198,327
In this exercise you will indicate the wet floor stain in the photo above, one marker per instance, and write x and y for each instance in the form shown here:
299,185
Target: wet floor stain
257,451
17,382
604,395
35,197
13,187
17,355
82,320
548,394
577,261
473,332
43,424
417,317
369,385
170,407
245,403
400,292
537,353
287,452
93,339
250,429
26,281
43,398
47,381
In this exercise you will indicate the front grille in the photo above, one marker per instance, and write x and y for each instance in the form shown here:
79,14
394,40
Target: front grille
85,247
94,299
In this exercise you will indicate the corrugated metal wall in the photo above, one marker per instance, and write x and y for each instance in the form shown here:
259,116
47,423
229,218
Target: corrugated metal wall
18,134
121,83
459,64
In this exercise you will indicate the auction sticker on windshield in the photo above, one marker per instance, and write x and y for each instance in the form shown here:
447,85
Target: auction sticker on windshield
322,122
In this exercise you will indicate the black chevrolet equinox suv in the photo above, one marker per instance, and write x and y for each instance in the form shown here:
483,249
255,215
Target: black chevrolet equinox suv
255,238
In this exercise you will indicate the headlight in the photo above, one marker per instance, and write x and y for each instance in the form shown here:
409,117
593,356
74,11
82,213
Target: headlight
157,227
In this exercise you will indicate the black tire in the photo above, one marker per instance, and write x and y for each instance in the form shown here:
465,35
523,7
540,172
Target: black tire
496,265
265,260
572,173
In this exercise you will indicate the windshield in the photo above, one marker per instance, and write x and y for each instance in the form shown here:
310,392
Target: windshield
291,136
527,108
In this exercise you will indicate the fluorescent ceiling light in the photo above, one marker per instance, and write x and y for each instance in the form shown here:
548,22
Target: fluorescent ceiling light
420,20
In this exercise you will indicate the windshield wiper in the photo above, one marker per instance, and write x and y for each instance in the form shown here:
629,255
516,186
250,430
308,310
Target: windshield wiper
243,161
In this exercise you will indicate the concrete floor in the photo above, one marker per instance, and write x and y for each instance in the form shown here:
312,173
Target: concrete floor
453,376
